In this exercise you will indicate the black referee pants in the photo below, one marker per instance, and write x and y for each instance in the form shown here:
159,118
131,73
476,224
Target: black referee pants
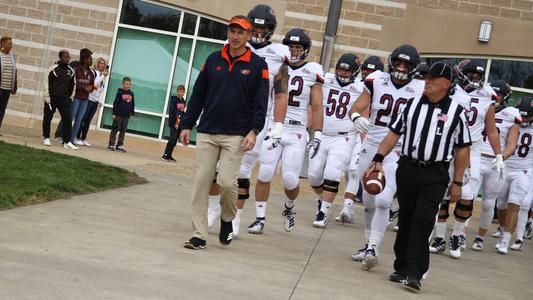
420,190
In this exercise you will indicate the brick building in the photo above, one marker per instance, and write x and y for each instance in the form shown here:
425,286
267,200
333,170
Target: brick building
162,43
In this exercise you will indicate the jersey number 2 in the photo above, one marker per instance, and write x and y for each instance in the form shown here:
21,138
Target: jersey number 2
338,107
298,83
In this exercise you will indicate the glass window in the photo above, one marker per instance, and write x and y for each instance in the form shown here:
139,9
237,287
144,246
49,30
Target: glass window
142,124
516,96
452,61
516,73
182,64
140,13
202,51
213,29
189,24
146,58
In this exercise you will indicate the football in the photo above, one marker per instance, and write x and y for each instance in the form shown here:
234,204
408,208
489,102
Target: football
374,183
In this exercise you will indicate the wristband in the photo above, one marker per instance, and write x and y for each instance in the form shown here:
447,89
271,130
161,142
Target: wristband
378,158
354,116
317,134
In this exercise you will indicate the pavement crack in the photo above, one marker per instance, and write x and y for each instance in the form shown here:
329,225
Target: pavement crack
334,210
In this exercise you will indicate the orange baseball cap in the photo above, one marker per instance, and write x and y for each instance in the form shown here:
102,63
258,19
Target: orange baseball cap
241,21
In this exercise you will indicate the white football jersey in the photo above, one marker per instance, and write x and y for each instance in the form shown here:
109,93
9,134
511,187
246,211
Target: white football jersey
337,101
274,55
387,101
522,159
476,104
301,79
505,119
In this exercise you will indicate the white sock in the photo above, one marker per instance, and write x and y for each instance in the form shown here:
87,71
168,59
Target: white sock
260,209
375,238
369,214
367,235
348,202
325,207
239,212
521,223
458,227
506,236
440,229
214,200
289,203
380,220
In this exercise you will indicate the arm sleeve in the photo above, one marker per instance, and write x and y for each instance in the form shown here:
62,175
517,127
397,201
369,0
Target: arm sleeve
260,99
132,104
462,133
197,100
115,103
50,79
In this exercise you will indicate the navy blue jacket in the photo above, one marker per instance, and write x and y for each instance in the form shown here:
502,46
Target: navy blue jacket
232,96
174,112
124,104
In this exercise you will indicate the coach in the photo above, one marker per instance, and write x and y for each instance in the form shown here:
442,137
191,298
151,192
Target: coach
231,93
434,130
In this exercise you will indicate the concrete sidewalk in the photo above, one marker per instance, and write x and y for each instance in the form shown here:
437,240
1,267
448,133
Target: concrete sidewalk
127,244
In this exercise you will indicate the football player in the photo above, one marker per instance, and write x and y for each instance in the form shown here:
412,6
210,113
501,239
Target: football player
347,214
478,101
386,94
339,137
264,24
518,178
507,123
305,87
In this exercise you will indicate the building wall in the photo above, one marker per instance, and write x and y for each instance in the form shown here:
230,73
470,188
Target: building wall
375,27
40,28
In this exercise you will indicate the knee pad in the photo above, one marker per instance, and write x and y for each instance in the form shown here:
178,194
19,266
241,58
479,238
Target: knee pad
444,210
318,186
243,183
266,173
459,206
331,186
315,181
488,204
290,181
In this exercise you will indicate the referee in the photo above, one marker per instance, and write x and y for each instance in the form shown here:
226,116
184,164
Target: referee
434,130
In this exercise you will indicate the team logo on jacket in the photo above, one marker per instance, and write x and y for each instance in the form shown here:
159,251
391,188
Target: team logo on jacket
126,98
245,72
218,68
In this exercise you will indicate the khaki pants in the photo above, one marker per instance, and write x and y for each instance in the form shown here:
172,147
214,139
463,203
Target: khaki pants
211,148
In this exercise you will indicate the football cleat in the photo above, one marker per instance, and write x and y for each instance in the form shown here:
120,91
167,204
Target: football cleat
455,246
257,226
288,218
517,246
371,258
498,233
462,241
321,220
347,215
477,245
359,255
503,246
438,246
529,231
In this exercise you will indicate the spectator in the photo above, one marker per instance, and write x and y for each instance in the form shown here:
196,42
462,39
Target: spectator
123,108
84,86
175,113
60,87
8,74
73,65
95,101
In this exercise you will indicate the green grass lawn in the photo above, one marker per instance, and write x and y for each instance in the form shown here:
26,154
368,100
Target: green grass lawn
29,176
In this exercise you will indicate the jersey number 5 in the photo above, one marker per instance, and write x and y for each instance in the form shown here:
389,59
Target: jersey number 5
298,85
338,107
386,112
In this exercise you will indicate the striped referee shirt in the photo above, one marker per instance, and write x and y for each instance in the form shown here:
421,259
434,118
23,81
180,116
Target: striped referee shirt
431,130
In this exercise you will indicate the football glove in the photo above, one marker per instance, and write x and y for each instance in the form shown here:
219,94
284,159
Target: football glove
274,136
314,145
361,123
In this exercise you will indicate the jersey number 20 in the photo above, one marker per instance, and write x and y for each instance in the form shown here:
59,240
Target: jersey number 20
386,112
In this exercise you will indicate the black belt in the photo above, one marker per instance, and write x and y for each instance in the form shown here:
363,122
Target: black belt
425,164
